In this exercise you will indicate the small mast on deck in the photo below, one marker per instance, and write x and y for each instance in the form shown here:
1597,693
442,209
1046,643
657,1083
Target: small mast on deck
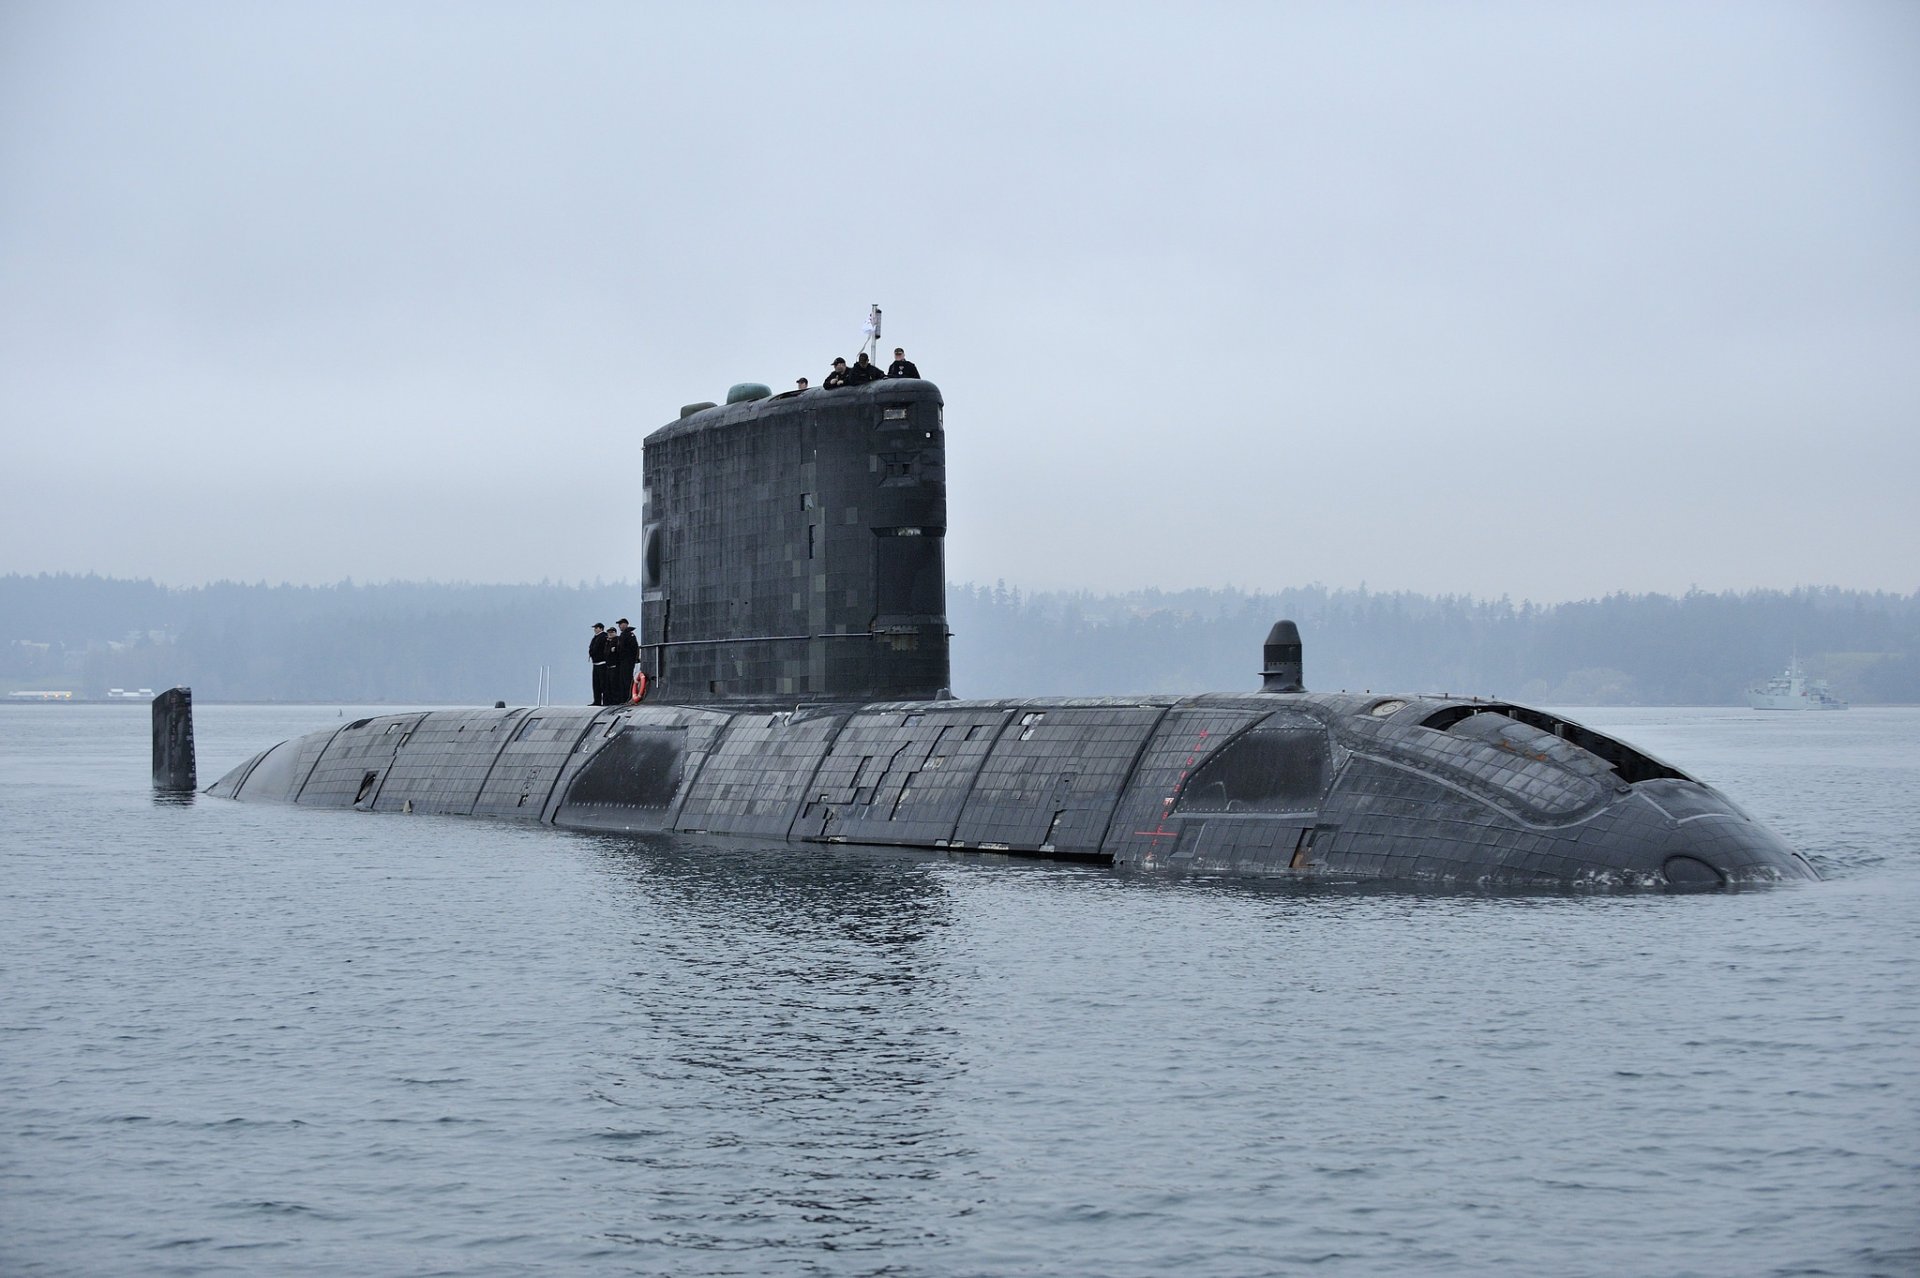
1281,666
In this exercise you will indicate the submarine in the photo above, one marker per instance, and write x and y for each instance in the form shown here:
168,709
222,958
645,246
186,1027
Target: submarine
794,655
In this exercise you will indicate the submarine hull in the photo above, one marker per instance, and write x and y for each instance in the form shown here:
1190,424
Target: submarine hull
1429,790
795,644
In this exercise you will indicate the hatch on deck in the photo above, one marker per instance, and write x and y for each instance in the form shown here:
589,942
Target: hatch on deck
1631,765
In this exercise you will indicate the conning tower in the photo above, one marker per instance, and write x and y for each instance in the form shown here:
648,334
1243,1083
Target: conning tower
794,548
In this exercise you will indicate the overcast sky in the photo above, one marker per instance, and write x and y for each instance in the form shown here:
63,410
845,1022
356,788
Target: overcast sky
1543,300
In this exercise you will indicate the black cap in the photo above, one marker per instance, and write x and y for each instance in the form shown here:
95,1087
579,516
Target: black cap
839,360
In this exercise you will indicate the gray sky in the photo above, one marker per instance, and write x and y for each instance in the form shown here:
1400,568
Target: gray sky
1547,300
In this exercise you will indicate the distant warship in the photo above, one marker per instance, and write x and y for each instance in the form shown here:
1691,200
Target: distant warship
1792,690
795,654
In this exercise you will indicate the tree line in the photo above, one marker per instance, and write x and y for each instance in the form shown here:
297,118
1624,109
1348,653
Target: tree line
456,643
1625,649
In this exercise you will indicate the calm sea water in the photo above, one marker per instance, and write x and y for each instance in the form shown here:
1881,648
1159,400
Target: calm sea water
243,1039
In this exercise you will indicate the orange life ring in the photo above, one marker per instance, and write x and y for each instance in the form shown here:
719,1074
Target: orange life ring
639,687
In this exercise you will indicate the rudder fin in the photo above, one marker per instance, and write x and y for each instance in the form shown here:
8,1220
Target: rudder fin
173,763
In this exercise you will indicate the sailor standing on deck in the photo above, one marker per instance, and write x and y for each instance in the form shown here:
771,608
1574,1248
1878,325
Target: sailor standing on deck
863,371
901,366
600,654
838,377
626,655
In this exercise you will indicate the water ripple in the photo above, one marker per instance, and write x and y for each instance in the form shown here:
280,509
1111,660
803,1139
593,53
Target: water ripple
242,1039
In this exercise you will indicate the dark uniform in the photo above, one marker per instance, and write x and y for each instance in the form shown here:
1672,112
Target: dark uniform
600,653
837,378
863,371
902,368
626,655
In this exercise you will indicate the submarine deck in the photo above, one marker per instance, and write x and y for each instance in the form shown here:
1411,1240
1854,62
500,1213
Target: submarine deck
1374,786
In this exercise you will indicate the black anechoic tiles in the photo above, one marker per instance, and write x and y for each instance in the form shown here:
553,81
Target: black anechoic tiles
442,763
632,769
799,545
1395,822
538,748
1143,831
900,776
1538,777
352,764
312,749
1054,776
754,780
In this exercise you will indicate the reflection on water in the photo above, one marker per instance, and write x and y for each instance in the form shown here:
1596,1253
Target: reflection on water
789,1021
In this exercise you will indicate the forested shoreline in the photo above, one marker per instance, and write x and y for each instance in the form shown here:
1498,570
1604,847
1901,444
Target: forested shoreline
431,643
